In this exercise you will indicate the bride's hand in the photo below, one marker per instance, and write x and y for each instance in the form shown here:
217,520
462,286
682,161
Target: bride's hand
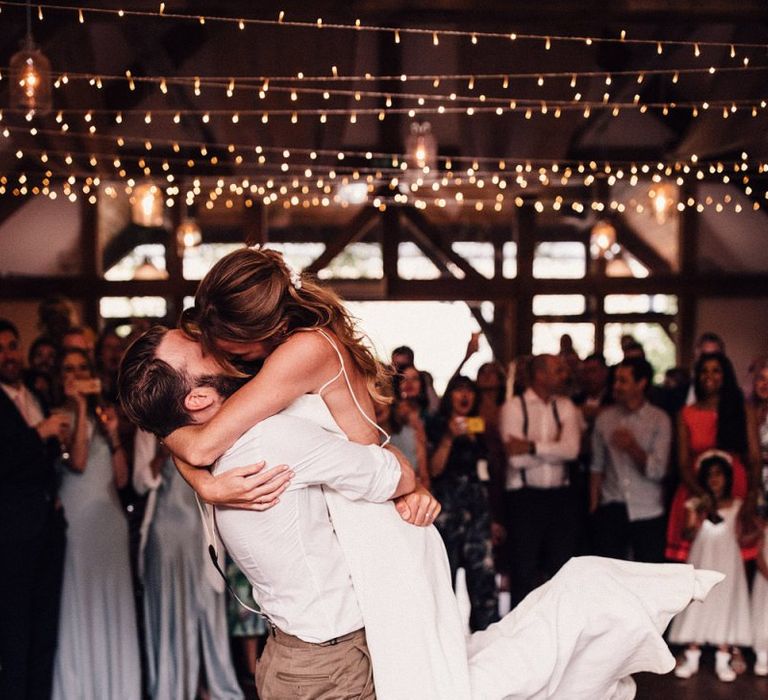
249,488
419,507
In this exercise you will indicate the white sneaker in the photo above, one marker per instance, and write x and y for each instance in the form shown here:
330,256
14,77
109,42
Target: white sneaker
723,668
761,664
689,666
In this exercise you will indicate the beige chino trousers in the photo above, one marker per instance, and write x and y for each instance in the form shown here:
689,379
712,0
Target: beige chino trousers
291,668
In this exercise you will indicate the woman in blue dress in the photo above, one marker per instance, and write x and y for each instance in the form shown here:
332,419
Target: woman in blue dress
98,649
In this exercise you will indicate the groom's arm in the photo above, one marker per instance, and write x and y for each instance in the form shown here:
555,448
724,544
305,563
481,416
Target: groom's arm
319,457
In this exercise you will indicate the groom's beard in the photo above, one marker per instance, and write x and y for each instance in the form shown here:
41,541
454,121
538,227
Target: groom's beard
224,384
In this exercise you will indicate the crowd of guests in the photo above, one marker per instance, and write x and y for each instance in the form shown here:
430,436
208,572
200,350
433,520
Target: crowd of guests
107,592
566,456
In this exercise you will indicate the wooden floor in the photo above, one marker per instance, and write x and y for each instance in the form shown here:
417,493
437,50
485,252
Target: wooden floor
703,686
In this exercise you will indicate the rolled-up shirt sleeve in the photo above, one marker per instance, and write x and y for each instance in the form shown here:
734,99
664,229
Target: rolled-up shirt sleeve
567,447
318,457
599,448
658,452
144,450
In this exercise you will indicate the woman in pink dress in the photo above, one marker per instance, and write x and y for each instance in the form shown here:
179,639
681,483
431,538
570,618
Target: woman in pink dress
719,419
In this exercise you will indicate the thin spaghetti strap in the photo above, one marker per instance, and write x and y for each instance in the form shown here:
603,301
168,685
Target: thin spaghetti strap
343,372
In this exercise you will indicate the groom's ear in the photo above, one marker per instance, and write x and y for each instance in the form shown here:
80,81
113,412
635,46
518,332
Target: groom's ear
200,398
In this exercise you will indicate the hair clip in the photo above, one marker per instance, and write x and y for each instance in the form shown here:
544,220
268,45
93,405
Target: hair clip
293,274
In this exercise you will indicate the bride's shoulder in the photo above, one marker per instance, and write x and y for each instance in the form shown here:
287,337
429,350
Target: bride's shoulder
307,347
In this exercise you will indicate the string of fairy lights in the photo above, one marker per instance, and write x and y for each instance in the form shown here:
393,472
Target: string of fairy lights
79,13
101,160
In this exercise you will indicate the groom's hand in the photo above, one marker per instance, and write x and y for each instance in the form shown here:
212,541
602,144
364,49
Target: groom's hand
419,507
250,488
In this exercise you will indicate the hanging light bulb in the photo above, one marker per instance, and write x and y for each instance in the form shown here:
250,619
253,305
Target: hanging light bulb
602,240
421,146
149,271
188,234
662,196
30,75
147,205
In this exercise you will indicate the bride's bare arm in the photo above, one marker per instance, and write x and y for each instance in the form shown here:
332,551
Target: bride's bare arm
299,366
252,487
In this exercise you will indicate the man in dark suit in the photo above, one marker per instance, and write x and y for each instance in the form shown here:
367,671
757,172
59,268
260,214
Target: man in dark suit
32,531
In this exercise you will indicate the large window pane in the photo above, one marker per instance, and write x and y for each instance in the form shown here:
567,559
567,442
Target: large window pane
412,264
559,260
509,269
640,303
658,346
478,255
356,261
132,307
126,267
546,337
199,259
437,331
558,304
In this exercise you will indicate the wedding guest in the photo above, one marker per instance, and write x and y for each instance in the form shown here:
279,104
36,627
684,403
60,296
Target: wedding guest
32,530
461,465
541,430
184,597
98,649
719,419
630,456
723,619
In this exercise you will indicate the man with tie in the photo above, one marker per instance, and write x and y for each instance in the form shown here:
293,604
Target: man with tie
32,531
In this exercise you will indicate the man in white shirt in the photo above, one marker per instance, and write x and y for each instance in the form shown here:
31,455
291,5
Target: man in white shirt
291,554
542,431
630,454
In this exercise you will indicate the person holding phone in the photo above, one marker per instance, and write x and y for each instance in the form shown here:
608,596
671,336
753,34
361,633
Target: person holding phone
98,649
462,462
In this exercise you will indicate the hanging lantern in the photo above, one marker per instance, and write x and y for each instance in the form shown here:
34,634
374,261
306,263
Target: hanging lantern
147,205
662,196
149,271
30,79
602,240
421,146
188,234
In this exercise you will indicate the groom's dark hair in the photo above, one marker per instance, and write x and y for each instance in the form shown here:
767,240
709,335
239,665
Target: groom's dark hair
151,391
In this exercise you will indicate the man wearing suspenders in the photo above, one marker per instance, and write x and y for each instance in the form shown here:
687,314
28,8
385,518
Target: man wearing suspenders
542,432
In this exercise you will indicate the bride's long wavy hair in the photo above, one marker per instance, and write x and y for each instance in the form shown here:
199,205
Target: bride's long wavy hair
252,295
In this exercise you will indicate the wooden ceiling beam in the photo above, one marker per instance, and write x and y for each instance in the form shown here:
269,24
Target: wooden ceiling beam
703,285
360,224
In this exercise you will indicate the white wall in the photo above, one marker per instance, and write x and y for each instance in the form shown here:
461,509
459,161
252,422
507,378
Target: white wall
24,315
41,238
742,323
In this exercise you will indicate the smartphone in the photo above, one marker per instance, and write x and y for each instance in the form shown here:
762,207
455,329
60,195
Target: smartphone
88,386
475,424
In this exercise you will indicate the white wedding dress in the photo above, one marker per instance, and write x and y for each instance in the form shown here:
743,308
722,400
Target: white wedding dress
578,637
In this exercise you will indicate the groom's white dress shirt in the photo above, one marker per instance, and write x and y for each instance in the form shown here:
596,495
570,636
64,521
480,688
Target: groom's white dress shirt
290,553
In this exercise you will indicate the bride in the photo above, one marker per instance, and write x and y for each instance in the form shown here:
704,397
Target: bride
578,636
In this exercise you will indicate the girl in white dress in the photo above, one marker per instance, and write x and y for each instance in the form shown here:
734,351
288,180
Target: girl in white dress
723,619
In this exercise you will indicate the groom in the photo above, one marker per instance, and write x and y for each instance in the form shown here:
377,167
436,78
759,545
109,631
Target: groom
291,553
